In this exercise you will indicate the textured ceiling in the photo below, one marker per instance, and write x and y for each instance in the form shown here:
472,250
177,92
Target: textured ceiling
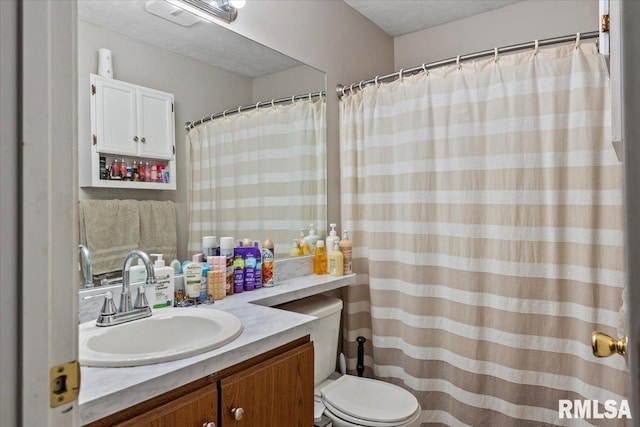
398,17
204,41
218,46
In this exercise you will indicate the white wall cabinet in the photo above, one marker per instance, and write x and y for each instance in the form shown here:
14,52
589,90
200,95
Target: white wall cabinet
122,120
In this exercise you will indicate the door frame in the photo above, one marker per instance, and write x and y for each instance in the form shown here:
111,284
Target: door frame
48,186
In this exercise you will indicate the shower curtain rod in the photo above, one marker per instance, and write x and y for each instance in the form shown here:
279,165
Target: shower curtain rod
342,90
190,125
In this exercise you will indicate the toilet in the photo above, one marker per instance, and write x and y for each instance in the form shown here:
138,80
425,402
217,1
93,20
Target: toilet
351,401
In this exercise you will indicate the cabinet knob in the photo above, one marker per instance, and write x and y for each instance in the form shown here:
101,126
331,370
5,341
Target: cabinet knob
135,138
209,424
143,139
237,413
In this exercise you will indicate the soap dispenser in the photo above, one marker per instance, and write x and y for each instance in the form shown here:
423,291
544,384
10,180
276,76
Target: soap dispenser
331,239
165,287
304,245
312,238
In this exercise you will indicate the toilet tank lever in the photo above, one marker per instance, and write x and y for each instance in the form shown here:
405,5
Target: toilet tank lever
360,366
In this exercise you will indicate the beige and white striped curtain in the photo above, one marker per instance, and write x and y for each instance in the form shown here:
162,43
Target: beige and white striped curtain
259,174
487,215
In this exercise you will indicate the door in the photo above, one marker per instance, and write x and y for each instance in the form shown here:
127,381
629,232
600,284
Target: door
155,124
47,231
115,117
275,393
198,408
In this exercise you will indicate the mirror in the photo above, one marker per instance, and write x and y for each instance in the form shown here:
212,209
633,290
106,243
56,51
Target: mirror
208,69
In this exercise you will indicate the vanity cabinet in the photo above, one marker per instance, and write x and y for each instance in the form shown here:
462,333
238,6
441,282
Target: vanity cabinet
122,120
274,389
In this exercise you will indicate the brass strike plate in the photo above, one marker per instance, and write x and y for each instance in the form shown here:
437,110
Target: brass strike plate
64,383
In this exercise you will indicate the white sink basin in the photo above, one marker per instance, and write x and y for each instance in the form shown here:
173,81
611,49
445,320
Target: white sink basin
169,334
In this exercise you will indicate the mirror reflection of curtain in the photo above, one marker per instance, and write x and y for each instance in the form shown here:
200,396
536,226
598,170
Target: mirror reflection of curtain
488,236
259,174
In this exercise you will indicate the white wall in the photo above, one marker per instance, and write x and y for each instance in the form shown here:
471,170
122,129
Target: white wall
199,90
516,23
294,81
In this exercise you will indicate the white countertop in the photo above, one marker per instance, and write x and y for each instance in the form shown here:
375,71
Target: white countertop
104,391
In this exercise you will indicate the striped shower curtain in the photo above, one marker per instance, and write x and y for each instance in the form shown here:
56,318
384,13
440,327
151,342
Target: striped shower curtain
486,207
259,174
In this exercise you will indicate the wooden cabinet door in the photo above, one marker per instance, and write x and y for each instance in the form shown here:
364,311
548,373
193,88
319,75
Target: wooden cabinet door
274,393
115,117
155,124
192,410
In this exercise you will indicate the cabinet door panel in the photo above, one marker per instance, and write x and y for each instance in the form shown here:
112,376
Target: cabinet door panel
155,124
275,393
115,117
193,409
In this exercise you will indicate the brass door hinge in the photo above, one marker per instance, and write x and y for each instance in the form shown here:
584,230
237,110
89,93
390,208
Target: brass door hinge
95,139
64,382
93,89
604,23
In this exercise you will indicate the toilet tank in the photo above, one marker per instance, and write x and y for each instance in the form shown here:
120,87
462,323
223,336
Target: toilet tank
325,337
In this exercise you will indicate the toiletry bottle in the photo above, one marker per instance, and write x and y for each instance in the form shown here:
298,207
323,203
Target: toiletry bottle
320,259
346,247
295,249
226,250
163,293
336,261
331,239
304,245
203,282
177,267
147,172
238,269
134,171
192,279
115,169
312,238
141,172
268,257
123,169
258,254
249,270
209,247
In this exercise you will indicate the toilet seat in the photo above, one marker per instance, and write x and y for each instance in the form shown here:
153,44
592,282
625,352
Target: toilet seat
369,402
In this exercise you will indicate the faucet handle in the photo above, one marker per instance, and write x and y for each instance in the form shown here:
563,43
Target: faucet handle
108,306
141,298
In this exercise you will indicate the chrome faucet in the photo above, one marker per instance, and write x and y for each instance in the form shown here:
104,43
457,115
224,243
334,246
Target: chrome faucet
85,266
126,312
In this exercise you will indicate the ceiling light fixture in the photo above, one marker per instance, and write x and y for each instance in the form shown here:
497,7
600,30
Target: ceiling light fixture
226,10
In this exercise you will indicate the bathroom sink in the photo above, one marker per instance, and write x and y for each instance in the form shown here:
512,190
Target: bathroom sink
169,334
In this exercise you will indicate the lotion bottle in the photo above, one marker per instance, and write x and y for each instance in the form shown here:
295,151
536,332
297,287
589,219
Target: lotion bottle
192,279
336,261
165,287
346,247
331,240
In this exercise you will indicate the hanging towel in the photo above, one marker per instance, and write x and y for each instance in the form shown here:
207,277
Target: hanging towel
158,234
110,229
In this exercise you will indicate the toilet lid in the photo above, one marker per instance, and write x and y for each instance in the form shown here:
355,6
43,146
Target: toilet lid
370,400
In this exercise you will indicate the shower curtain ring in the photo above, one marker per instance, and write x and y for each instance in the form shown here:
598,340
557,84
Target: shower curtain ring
401,71
240,109
273,104
577,40
211,118
495,56
224,114
458,62
351,88
376,81
257,105
360,85
293,99
535,48
343,88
